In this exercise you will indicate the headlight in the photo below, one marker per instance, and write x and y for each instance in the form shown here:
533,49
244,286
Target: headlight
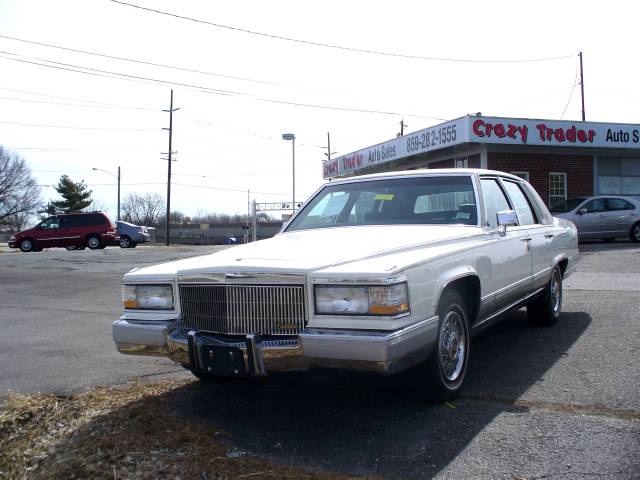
362,300
147,297
12,238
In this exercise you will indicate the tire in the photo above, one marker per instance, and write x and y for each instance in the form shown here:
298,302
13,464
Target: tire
26,245
71,247
133,245
93,242
126,242
634,233
545,310
447,365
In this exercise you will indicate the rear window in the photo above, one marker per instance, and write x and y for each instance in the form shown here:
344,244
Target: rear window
566,205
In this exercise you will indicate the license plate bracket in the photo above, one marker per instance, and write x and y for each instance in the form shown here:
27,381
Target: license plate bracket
220,360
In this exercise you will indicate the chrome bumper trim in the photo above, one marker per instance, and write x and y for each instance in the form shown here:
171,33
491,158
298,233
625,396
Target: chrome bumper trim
373,351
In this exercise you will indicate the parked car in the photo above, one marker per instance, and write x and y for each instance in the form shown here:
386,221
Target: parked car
602,217
74,231
130,235
229,240
376,273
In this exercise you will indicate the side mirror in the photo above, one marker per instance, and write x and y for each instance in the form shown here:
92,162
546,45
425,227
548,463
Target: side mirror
506,218
582,211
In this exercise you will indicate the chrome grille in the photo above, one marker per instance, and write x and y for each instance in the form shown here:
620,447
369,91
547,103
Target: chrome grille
242,309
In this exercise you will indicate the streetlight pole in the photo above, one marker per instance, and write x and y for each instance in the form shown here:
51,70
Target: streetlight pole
116,177
118,192
292,137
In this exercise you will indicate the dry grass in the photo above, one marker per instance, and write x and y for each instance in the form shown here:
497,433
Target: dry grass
114,433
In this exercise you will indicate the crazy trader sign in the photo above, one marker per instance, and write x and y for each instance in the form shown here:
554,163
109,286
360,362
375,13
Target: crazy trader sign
498,130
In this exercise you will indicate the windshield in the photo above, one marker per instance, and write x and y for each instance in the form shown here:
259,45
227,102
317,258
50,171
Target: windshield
414,200
566,205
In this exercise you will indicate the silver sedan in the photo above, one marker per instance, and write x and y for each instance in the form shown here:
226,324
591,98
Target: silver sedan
603,217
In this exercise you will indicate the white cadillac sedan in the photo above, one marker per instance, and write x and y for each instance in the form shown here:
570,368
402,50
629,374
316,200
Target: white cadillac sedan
376,273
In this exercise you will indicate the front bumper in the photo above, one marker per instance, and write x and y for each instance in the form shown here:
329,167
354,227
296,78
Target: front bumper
371,351
13,243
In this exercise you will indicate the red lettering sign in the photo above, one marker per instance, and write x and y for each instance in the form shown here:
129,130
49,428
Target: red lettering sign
571,134
500,130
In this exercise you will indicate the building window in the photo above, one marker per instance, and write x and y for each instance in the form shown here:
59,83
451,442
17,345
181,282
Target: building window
557,188
522,175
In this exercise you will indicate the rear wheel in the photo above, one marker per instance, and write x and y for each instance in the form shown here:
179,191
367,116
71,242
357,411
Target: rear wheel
93,242
447,365
634,233
126,242
26,245
545,310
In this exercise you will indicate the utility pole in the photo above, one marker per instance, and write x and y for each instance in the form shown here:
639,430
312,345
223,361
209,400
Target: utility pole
328,147
118,192
169,160
402,125
582,86
246,229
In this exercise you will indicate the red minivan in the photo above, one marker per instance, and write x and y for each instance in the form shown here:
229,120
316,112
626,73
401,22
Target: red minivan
74,231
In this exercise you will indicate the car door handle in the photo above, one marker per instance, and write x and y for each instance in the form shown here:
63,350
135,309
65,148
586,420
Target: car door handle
601,216
527,239
549,235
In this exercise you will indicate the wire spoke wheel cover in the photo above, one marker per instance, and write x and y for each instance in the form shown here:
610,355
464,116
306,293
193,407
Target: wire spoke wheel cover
556,292
452,346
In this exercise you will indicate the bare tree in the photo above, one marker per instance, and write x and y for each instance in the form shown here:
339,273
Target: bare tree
142,209
19,192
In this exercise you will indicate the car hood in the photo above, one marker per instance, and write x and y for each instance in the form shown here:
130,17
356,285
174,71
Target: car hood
309,250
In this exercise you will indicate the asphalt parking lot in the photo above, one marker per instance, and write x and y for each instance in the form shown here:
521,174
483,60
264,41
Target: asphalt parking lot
558,402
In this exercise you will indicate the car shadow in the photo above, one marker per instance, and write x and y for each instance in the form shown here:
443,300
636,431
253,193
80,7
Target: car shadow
363,425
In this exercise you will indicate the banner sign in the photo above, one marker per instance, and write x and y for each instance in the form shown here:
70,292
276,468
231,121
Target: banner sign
495,130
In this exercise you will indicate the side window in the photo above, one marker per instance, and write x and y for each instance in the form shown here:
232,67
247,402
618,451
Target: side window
520,203
596,205
49,223
618,204
494,200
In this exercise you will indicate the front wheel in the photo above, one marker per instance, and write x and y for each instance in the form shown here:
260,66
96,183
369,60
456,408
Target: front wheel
448,363
634,233
26,245
545,310
93,242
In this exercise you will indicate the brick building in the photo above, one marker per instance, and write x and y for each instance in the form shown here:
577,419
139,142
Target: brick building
561,159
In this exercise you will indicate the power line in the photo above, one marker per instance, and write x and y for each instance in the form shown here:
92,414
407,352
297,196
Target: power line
575,82
75,104
143,62
229,189
109,74
48,95
123,76
339,47
74,127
